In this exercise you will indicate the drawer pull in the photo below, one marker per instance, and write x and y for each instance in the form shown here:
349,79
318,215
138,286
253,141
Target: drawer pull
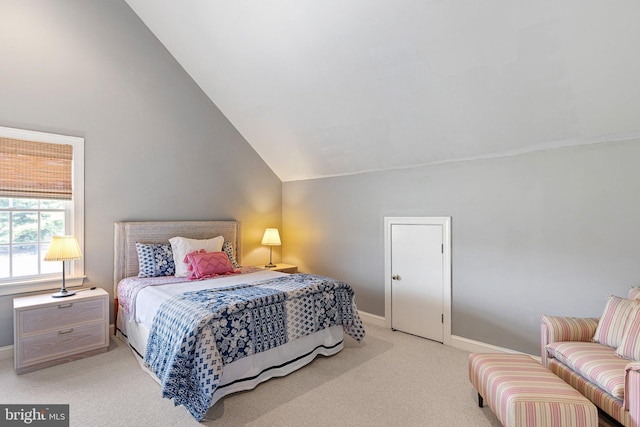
65,305
65,332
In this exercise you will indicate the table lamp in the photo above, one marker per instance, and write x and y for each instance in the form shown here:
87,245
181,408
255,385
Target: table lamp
63,248
271,238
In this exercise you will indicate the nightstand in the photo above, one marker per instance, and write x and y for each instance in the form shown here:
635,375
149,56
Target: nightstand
49,331
284,268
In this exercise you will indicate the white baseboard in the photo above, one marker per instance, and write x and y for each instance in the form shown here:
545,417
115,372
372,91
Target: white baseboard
371,318
458,342
473,346
6,352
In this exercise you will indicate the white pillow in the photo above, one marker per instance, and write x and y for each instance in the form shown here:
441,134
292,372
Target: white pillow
181,246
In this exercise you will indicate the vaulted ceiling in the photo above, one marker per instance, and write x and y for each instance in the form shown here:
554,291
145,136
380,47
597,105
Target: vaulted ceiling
332,87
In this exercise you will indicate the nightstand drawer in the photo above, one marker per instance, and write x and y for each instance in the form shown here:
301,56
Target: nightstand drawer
61,315
63,342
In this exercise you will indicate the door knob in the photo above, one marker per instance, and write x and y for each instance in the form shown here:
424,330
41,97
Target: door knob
395,277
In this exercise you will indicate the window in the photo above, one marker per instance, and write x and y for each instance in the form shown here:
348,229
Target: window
41,195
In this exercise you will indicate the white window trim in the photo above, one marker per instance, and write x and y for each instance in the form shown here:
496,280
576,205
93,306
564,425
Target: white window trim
75,224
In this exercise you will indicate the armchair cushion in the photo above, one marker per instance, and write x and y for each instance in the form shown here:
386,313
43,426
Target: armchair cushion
595,362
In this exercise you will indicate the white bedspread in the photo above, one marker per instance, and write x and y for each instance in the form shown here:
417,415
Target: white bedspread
151,298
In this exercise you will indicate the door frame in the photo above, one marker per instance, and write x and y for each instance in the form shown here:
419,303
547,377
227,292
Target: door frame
445,222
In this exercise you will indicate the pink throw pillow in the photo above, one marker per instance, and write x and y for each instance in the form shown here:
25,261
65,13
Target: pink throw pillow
208,264
614,320
630,345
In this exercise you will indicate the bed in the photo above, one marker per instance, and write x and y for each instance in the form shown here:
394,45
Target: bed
204,339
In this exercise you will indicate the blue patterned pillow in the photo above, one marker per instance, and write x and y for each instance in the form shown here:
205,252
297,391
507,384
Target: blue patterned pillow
155,260
227,248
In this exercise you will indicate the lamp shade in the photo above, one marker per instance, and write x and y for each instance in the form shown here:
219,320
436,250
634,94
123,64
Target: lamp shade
63,248
271,237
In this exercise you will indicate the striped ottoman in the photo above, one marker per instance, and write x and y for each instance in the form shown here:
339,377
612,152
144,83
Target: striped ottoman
521,392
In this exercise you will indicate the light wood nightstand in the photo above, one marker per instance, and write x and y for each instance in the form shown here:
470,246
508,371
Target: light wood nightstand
283,268
49,331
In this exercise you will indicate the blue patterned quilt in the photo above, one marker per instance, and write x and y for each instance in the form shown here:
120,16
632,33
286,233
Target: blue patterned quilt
195,334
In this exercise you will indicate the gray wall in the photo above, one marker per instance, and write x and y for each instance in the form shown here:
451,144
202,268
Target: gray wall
547,232
551,232
156,147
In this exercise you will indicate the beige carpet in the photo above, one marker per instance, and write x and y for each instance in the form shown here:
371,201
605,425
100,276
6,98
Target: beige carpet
391,379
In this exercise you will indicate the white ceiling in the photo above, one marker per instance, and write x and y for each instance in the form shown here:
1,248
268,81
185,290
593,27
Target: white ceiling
332,87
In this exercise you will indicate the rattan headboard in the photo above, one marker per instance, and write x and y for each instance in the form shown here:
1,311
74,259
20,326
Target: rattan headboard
126,234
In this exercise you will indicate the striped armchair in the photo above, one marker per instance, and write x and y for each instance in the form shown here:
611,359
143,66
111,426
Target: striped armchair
599,357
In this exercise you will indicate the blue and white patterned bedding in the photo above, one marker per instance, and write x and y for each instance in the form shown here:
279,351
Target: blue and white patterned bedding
196,333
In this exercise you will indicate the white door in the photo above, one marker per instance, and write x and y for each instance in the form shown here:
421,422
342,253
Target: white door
417,279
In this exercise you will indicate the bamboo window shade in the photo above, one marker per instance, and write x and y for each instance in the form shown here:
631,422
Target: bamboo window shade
35,170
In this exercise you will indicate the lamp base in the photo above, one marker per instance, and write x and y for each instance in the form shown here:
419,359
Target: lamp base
63,293
270,265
